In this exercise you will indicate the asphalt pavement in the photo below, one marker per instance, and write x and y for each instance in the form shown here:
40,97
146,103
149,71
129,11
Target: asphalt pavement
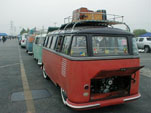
20,75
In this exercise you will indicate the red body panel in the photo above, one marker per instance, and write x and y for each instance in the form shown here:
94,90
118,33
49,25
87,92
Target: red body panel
83,71
73,75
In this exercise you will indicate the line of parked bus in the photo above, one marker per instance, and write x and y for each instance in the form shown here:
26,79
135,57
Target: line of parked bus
93,63
33,45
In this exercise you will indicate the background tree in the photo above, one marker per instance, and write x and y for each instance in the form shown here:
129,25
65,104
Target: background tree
138,32
27,30
23,31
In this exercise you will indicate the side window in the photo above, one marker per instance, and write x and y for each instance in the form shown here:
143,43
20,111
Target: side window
45,42
53,42
41,40
49,42
59,43
148,39
36,40
66,44
79,46
141,39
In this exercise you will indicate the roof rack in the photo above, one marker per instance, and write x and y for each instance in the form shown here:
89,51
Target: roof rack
83,17
80,19
100,23
93,17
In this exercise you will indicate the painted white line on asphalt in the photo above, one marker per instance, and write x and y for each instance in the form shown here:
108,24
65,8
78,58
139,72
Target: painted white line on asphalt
9,65
27,93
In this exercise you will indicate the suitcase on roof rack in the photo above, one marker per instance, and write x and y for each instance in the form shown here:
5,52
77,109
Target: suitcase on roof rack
85,14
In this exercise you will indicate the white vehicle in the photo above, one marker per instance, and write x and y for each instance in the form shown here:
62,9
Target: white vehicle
144,43
23,40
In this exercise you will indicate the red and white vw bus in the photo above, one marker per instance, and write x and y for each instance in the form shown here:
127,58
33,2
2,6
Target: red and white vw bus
93,64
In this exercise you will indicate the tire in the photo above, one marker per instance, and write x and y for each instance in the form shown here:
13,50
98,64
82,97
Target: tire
45,76
146,49
63,96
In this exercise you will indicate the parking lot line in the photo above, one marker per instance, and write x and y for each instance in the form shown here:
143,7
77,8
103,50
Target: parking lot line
27,93
9,65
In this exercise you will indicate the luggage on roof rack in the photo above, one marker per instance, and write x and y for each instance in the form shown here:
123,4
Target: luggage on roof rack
83,17
85,14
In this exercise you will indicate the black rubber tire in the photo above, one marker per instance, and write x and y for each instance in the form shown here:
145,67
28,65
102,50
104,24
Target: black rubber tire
146,49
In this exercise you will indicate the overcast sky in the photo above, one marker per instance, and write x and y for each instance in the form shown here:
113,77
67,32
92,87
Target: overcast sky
38,13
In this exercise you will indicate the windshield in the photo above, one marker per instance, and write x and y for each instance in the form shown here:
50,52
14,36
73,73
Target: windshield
109,45
149,39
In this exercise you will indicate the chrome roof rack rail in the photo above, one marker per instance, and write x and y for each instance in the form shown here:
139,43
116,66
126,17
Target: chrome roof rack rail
128,28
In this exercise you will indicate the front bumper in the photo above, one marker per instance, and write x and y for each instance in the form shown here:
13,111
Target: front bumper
104,103
23,45
39,63
29,52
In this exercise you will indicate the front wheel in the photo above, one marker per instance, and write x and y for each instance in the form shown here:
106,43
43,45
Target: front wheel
146,49
44,73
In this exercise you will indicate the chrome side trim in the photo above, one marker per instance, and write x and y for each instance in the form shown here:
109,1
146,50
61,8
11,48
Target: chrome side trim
132,98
